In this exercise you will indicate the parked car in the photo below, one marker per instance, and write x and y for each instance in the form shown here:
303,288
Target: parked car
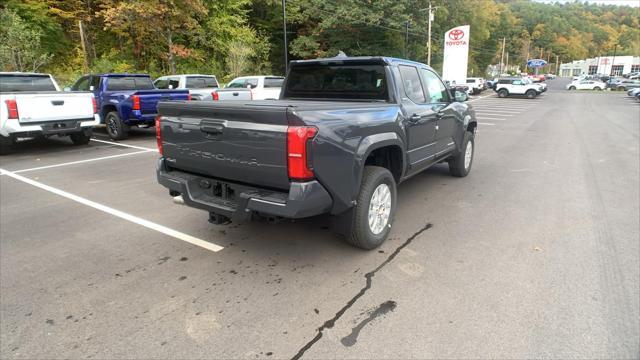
126,100
201,87
475,85
550,76
517,86
542,87
340,138
32,105
252,88
633,92
536,78
586,85
624,85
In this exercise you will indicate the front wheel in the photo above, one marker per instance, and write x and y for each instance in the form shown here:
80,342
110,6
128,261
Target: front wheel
374,210
460,165
81,138
531,94
572,87
503,93
597,88
116,129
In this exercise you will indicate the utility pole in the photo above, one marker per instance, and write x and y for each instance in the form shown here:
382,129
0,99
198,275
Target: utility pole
541,53
502,56
507,66
429,43
406,39
557,63
526,61
284,28
84,48
614,58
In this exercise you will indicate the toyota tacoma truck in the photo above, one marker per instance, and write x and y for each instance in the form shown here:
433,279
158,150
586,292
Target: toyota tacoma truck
344,132
201,87
32,105
126,100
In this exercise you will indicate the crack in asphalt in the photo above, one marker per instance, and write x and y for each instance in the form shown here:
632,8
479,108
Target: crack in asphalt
368,276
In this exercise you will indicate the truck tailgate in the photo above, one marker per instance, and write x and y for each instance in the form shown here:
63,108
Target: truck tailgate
149,98
54,106
234,94
227,140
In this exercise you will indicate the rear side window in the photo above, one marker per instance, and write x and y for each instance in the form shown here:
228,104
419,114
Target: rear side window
347,82
162,84
273,82
411,84
24,83
253,82
129,83
81,85
235,84
95,82
504,81
470,81
201,82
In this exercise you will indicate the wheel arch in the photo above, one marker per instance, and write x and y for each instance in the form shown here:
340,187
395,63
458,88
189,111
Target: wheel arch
386,150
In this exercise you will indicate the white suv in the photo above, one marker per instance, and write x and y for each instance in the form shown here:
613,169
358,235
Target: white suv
517,86
476,85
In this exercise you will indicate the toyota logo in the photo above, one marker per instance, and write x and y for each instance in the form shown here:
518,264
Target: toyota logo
456,34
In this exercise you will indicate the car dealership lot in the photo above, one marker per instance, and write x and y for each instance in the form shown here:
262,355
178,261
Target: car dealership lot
534,254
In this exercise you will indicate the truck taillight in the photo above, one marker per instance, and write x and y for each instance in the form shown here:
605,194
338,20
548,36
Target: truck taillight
188,97
12,108
159,135
297,152
136,102
215,96
95,104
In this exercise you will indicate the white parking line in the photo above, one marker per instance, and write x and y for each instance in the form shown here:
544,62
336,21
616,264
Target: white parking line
125,145
82,161
493,113
134,219
490,118
480,98
487,124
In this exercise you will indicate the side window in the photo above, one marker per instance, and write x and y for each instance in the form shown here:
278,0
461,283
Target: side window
253,82
517,82
161,84
95,82
411,84
436,91
81,85
174,82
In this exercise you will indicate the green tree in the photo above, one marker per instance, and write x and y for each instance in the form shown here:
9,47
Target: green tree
20,46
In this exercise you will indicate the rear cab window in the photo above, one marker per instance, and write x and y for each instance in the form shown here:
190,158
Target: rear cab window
10,83
201,82
236,84
123,83
273,82
337,82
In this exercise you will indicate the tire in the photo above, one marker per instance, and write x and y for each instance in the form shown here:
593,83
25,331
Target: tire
531,94
81,138
363,235
7,145
621,88
503,93
458,166
572,87
116,129
597,88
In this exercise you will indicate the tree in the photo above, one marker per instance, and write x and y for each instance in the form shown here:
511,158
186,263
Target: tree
20,48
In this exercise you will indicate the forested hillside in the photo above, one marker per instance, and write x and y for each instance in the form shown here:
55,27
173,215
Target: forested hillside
234,37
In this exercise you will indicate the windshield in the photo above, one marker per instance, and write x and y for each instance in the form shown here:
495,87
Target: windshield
349,82
25,83
129,83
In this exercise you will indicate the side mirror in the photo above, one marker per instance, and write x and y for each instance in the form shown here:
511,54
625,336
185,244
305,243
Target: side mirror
460,96
170,87
249,87
67,89
91,88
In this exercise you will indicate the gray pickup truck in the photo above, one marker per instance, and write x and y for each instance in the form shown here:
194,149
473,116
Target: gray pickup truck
344,132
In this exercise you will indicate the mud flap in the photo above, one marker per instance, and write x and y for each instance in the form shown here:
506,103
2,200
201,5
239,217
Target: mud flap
343,224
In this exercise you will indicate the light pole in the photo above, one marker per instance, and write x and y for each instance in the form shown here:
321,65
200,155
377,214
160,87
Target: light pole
284,28
431,9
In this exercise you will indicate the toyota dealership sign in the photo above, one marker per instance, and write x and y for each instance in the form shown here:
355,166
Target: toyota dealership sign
456,54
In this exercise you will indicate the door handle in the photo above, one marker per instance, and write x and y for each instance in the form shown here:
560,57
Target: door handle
415,118
212,128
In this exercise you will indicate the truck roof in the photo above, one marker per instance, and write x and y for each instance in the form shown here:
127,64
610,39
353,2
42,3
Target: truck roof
23,73
382,60
120,75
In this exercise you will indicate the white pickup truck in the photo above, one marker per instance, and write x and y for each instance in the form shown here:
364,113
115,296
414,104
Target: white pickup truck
32,105
251,88
201,87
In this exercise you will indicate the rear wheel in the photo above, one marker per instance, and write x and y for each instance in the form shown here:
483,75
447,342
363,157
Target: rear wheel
597,88
374,210
7,145
460,165
81,138
503,93
116,129
572,87
621,88
531,94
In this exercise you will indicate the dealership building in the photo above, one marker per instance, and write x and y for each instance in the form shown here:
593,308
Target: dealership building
616,65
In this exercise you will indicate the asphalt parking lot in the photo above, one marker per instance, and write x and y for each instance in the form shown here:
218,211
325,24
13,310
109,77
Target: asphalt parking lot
535,254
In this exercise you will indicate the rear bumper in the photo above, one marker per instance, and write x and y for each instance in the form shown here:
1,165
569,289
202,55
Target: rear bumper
239,201
137,118
61,127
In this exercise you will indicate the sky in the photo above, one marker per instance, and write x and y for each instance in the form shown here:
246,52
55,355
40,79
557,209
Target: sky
635,3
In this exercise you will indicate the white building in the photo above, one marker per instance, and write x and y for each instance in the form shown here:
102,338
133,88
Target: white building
617,65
